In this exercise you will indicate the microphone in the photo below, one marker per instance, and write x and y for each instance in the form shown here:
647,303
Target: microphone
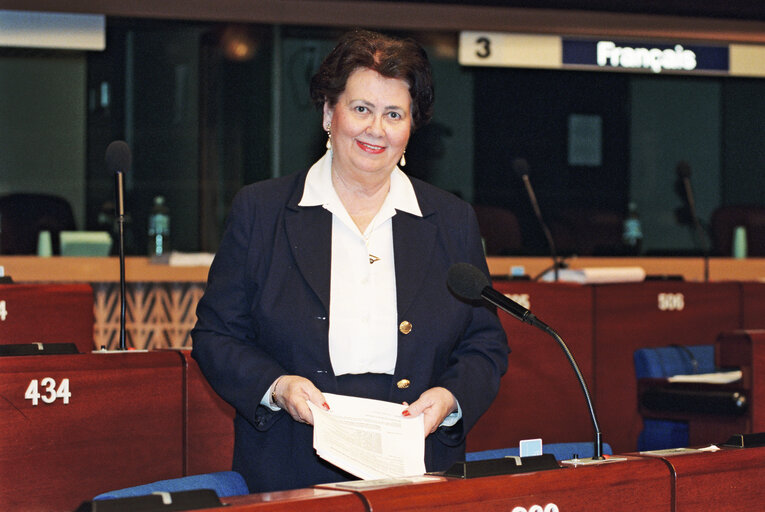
521,168
684,175
467,282
118,160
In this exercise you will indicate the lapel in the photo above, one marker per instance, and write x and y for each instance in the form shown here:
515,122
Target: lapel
309,232
413,241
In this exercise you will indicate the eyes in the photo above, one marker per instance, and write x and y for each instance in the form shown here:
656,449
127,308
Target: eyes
392,114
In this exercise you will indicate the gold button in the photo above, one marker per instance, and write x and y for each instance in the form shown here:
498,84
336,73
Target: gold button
405,327
403,384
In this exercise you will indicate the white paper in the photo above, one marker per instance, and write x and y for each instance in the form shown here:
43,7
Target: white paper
708,378
368,438
597,275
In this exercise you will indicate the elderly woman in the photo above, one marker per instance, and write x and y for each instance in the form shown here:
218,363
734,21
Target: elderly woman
334,280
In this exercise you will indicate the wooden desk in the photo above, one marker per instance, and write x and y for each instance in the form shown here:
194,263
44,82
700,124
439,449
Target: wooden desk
209,433
306,500
141,269
637,484
753,305
122,426
650,314
745,349
732,479
47,313
614,486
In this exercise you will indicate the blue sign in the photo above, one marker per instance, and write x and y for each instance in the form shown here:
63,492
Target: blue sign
646,57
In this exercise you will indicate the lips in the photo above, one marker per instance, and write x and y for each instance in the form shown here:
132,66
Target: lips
370,148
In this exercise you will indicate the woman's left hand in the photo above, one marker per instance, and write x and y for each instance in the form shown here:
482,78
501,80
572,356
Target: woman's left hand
435,404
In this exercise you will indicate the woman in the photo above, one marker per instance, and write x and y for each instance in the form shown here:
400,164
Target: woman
334,280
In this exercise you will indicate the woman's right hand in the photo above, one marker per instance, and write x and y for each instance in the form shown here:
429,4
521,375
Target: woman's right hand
292,393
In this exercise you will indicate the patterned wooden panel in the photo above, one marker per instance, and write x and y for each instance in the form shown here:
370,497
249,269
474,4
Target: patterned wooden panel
158,315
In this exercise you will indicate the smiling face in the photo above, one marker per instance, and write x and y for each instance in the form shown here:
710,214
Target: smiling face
370,124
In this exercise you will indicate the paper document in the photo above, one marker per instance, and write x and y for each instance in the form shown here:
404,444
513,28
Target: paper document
369,438
594,275
708,378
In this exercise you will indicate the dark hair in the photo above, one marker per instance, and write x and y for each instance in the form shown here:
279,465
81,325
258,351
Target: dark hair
404,59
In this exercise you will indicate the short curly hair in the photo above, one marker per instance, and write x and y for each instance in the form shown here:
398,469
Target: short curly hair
404,59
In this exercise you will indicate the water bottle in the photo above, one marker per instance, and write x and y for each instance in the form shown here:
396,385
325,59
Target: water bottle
159,228
632,235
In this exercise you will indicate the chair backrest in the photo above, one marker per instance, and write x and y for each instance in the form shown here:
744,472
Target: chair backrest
658,362
562,451
500,230
24,215
587,231
224,483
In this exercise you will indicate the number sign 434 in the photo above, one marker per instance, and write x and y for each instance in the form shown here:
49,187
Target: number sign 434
47,391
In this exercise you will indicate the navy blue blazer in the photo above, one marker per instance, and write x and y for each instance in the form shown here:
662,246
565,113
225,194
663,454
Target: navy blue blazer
265,313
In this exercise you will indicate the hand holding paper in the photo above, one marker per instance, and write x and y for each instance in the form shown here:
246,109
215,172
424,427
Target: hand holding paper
435,404
369,438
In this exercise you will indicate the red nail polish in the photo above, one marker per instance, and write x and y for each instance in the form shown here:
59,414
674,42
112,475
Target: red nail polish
405,413
326,406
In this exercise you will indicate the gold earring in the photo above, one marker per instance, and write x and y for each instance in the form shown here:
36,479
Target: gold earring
402,162
329,137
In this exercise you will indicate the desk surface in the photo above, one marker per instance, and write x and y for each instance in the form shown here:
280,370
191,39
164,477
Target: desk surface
611,486
140,269
729,479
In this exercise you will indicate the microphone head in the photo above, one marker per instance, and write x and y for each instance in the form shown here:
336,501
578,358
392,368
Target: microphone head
466,281
683,170
521,167
118,157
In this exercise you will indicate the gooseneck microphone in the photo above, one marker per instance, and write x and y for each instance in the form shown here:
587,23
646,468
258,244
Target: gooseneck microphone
118,161
684,174
521,168
469,283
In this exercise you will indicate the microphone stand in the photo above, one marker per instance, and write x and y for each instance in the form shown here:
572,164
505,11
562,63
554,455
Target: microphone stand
684,173
504,303
548,235
118,176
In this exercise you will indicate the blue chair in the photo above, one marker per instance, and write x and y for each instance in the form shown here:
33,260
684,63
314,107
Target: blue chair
562,451
662,362
224,483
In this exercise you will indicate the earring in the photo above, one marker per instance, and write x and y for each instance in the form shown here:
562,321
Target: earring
329,137
402,162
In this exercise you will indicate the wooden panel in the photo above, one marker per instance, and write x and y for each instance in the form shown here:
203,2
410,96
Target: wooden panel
728,480
31,269
540,396
209,443
753,305
745,349
631,316
638,484
305,500
122,427
54,313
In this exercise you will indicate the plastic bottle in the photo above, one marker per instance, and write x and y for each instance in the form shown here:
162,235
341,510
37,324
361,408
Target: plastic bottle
159,228
632,235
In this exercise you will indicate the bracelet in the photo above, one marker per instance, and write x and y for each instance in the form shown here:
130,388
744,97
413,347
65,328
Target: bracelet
273,391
